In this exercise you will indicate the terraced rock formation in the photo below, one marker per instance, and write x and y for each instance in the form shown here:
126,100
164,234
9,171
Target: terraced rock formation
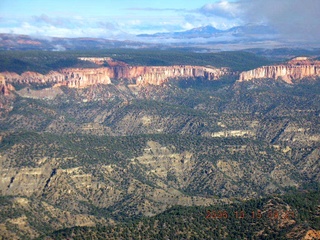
295,69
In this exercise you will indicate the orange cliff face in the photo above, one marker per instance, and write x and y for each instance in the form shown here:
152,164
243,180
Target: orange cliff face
5,88
159,75
71,77
295,69
81,78
142,75
312,234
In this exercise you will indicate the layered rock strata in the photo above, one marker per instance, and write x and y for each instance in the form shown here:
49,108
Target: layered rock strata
295,69
83,77
157,75
5,88
74,78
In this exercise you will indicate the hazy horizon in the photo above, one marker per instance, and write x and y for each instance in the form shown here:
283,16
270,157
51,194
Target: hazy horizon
295,20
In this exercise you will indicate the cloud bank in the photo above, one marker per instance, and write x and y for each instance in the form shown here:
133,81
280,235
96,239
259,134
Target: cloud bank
222,9
295,20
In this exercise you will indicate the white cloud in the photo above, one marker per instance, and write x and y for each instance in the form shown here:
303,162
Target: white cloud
188,26
294,19
52,31
223,9
44,19
43,25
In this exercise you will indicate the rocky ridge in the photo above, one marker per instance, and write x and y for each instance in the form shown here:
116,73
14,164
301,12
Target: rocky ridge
91,177
73,78
295,69
140,75
5,88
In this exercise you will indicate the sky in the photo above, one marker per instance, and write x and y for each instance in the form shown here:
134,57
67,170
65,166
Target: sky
123,19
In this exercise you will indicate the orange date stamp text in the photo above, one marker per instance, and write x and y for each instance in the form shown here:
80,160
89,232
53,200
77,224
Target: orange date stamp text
258,214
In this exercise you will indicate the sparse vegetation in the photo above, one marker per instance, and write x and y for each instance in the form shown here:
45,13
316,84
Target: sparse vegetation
267,218
43,62
121,153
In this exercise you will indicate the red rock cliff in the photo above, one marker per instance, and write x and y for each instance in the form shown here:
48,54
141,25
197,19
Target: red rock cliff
5,88
83,77
80,78
71,77
295,69
157,75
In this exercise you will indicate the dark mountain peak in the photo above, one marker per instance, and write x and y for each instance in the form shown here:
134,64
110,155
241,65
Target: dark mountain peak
202,32
208,31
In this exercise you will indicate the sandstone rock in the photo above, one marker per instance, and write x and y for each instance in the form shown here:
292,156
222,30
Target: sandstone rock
142,75
102,60
80,78
159,75
5,88
312,234
10,75
295,69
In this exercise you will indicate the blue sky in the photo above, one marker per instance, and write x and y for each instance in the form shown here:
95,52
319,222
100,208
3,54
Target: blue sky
108,19
123,19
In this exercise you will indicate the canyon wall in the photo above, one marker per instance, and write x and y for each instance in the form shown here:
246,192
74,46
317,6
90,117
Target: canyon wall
295,69
74,78
5,88
158,75
142,75
81,78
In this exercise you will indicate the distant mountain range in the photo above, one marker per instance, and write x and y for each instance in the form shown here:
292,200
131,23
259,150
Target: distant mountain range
247,31
25,42
206,37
